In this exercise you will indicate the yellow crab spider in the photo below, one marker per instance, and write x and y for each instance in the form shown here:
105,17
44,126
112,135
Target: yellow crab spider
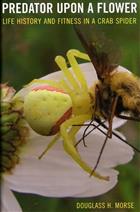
73,90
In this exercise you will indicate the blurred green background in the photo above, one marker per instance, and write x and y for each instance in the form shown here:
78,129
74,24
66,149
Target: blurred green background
28,53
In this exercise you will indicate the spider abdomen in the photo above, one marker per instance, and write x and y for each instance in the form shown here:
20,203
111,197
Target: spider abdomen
46,108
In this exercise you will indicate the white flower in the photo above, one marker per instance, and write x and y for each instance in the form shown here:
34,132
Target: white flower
56,174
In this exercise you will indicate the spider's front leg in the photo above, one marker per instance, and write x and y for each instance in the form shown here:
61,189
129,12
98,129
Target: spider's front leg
74,82
69,143
79,80
72,55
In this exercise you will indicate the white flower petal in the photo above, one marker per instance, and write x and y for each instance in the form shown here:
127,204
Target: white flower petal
117,122
115,152
57,175
8,200
64,184
59,181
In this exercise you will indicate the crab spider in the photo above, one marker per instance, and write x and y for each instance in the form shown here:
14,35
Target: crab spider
74,84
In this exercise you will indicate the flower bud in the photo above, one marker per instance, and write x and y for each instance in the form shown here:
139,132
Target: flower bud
6,92
13,129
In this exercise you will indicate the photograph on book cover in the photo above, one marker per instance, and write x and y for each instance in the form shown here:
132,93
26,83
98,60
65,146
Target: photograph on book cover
70,106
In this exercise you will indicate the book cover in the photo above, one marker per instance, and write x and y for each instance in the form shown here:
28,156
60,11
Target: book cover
100,41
